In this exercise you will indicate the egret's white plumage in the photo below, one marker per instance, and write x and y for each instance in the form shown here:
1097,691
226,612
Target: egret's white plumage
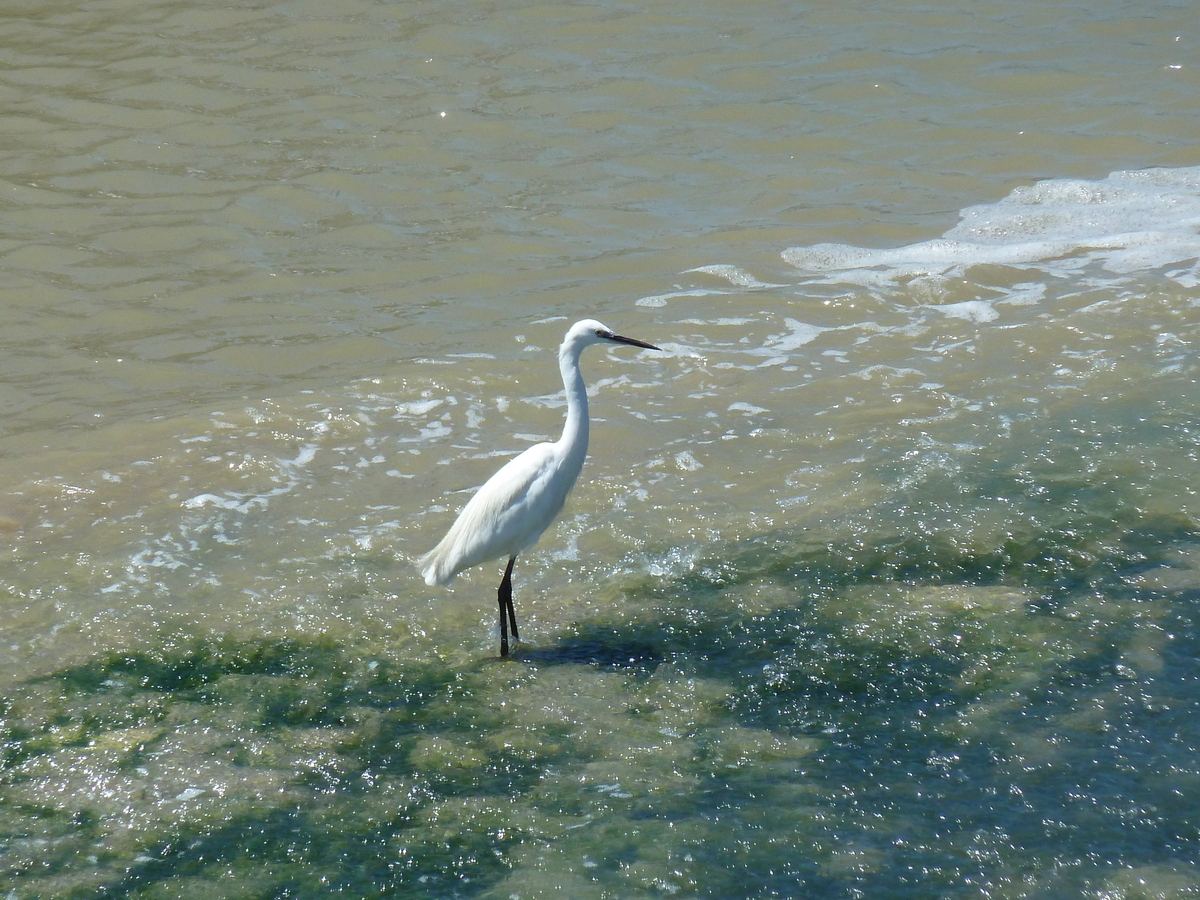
512,509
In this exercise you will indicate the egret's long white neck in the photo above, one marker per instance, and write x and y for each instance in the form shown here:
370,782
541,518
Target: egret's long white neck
575,431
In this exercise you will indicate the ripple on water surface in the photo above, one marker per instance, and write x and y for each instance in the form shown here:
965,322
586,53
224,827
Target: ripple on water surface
882,582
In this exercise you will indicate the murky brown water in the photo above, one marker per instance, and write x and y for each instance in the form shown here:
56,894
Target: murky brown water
907,504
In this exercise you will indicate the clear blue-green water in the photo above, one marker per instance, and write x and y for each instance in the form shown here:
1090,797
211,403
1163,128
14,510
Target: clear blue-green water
882,577
1002,705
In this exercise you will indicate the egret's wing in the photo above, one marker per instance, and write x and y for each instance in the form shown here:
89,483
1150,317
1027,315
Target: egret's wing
506,515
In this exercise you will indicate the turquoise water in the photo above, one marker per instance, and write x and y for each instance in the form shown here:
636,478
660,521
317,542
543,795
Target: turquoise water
881,578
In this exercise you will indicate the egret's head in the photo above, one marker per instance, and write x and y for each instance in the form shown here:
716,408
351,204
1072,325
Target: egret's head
589,331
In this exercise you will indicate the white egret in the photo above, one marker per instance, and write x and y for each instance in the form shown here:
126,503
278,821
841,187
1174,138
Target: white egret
512,509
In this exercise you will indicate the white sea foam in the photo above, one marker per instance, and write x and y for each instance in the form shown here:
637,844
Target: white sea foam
202,500
1125,223
418,407
971,310
662,299
734,275
748,408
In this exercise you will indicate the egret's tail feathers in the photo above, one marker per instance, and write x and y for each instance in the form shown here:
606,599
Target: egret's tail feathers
433,567
429,568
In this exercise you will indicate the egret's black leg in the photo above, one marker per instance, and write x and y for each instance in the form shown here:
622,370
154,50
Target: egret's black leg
504,596
512,613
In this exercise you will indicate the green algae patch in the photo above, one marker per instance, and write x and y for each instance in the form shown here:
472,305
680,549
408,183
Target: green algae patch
445,757
916,617
796,722
736,747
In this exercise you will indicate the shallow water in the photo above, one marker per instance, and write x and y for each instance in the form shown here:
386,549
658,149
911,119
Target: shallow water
881,578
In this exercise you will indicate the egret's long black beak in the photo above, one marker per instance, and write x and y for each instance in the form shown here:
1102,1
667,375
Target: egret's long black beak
621,339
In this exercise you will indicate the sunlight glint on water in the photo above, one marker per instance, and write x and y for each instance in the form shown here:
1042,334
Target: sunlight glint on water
879,580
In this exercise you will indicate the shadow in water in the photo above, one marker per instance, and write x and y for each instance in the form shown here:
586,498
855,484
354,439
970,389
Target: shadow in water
607,652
